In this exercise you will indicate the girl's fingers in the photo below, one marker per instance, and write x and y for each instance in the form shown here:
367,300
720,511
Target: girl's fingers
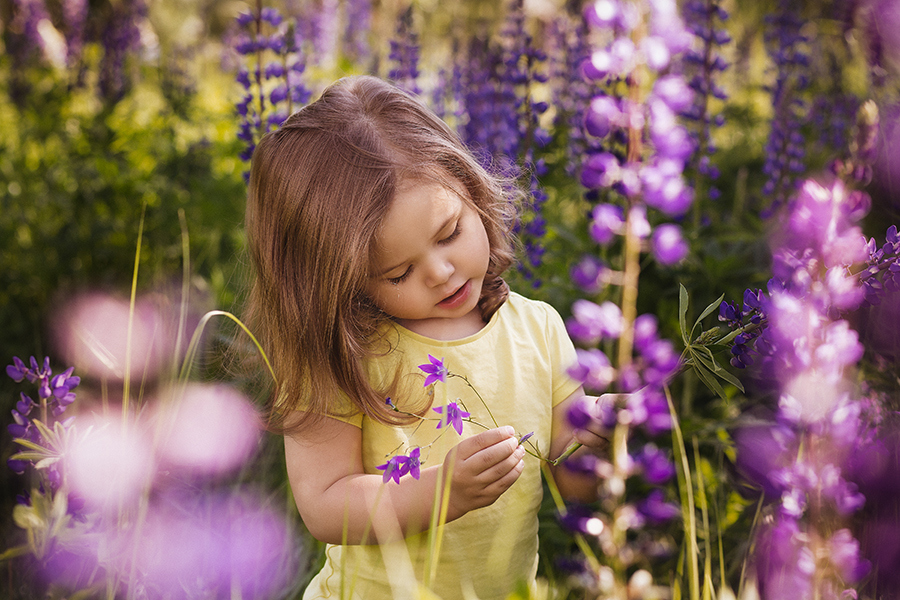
485,440
497,470
591,439
493,456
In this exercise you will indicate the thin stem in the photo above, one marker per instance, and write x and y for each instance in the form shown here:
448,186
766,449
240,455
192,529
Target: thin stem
130,329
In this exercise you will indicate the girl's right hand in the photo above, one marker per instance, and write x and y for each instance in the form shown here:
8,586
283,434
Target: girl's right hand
483,467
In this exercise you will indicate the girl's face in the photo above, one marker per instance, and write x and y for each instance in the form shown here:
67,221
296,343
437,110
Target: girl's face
431,256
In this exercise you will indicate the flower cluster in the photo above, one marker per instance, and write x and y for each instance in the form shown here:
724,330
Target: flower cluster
749,320
799,457
121,38
882,272
628,125
404,54
91,482
54,396
453,414
785,151
706,64
568,39
272,78
358,24
502,123
400,465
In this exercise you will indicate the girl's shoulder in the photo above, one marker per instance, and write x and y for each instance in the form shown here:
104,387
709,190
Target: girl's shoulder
528,308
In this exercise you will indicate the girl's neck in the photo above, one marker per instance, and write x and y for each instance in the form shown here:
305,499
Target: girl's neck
446,330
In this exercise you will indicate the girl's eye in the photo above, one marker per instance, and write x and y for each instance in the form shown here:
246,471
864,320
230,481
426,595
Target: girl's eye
452,236
399,280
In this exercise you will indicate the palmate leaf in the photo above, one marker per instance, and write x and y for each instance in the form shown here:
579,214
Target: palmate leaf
701,357
57,442
710,363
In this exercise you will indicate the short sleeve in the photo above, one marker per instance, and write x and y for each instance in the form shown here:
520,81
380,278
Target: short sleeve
562,355
344,410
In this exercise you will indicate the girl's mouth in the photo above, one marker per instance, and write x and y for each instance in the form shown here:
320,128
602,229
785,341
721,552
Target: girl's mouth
458,297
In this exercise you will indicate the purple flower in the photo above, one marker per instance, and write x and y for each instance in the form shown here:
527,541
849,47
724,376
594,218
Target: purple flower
435,369
608,221
602,13
761,451
843,552
17,371
587,274
454,416
414,462
785,565
669,246
603,112
656,466
593,369
656,510
600,170
593,322
672,90
581,519
582,412
395,468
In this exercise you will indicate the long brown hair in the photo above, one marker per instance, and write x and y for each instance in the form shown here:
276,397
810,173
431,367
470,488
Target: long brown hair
319,189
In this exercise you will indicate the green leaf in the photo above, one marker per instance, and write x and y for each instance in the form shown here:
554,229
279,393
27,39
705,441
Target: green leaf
15,552
706,375
718,371
682,312
706,312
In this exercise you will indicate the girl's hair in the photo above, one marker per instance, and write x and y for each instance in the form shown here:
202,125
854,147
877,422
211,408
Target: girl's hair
319,189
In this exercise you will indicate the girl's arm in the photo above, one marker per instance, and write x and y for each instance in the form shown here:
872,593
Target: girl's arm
334,495
574,485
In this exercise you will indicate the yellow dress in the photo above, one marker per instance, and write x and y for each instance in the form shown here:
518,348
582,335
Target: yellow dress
517,363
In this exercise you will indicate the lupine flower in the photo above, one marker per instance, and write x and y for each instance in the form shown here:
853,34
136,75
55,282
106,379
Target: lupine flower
785,564
272,79
593,369
206,429
453,416
655,465
209,545
656,510
609,220
703,65
111,466
785,152
93,333
358,24
669,247
435,369
121,38
593,322
588,274
405,54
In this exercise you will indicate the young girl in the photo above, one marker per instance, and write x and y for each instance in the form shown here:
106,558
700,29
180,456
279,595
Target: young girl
378,244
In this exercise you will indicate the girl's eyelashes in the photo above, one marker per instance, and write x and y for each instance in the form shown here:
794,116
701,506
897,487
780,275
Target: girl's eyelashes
452,236
399,280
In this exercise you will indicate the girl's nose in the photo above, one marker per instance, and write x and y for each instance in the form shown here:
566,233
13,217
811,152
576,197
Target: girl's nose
439,271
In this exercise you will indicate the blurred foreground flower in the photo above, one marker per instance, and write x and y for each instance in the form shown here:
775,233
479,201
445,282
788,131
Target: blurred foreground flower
125,500
206,429
101,335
